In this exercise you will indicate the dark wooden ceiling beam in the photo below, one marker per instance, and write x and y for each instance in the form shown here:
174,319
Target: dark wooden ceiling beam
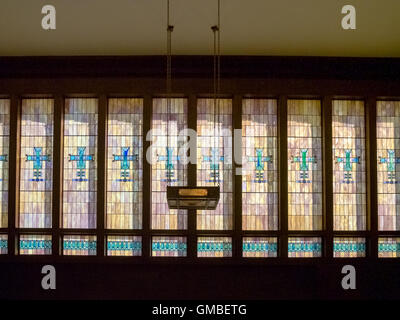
201,66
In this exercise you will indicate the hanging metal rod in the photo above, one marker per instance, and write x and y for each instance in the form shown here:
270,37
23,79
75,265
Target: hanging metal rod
217,70
170,29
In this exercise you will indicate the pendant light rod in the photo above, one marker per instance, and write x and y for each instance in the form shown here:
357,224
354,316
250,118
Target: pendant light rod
217,70
198,198
219,48
170,29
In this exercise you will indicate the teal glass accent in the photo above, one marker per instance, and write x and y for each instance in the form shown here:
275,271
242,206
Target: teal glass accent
260,247
260,161
3,244
214,160
35,244
37,158
81,159
79,245
347,162
214,246
304,162
124,245
304,247
169,165
389,247
169,246
125,160
390,162
349,247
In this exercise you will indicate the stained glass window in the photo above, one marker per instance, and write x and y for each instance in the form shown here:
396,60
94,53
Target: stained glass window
214,160
168,166
388,156
345,247
124,164
80,163
36,178
214,247
304,165
260,247
3,244
4,144
124,246
169,247
304,247
389,247
35,244
349,181
260,165
79,245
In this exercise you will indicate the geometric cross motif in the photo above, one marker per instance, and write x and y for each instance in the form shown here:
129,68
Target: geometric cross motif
214,160
347,162
169,166
37,159
303,160
3,158
259,161
124,158
81,159
391,162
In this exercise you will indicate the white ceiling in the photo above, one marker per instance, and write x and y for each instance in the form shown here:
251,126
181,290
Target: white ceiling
248,27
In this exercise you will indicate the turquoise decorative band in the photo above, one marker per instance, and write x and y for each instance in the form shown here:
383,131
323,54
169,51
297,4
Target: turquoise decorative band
3,244
34,244
348,247
169,246
79,245
258,247
389,247
304,247
214,246
124,245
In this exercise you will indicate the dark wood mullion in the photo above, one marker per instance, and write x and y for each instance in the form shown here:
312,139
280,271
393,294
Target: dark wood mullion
372,196
13,176
237,179
327,174
57,173
101,173
283,177
146,184
192,180
389,233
